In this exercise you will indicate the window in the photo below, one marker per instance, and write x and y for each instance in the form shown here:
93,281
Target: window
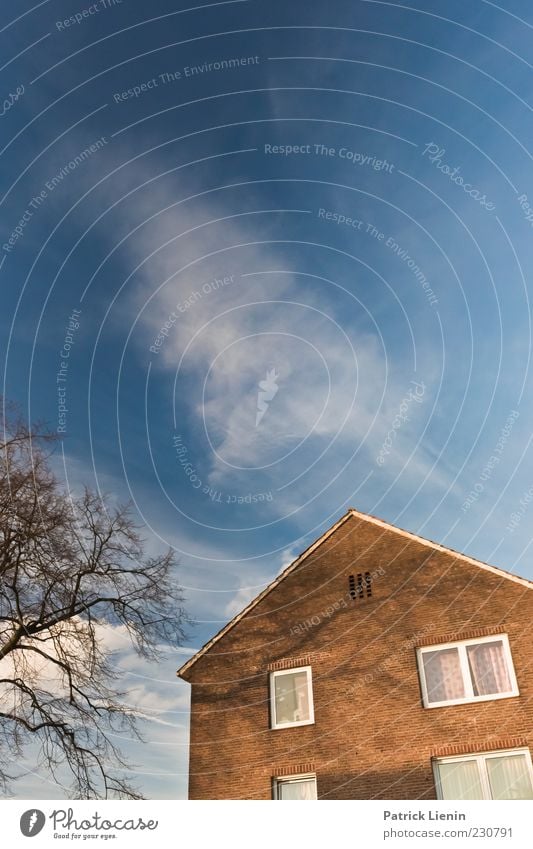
295,787
469,671
496,775
291,697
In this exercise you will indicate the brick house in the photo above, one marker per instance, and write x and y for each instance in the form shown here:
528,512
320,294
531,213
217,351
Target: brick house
377,665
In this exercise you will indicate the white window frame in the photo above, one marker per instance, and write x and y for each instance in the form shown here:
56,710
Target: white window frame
273,675
291,779
481,759
461,646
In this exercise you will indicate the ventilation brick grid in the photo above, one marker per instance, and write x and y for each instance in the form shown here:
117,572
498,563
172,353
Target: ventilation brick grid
360,586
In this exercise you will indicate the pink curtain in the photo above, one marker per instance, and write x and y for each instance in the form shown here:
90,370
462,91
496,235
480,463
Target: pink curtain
444,680
488,668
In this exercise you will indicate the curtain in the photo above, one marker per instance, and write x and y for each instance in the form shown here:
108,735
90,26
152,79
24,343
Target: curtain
460,780
488,668
292,697
444,679
509,777
305,789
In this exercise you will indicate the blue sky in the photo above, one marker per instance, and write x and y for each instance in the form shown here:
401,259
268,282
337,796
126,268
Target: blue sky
329,200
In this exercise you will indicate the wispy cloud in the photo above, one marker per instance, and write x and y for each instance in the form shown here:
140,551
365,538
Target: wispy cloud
223,324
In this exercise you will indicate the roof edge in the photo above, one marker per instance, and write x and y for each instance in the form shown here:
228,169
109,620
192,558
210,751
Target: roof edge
290,568
502,573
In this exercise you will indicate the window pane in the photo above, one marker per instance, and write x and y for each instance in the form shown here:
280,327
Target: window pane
292,697
488,668
444,680
304,789
509,777
460,780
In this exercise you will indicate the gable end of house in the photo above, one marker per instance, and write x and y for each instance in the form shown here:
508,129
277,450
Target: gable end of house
183,671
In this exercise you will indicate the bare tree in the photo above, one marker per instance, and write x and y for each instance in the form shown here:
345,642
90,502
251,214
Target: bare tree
70,568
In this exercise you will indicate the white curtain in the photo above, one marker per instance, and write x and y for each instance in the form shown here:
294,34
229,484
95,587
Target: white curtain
509,777
488,668
460,780
444,679
292,697
291,790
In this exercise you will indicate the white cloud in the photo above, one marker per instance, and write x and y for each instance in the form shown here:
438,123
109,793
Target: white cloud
330,387
239,601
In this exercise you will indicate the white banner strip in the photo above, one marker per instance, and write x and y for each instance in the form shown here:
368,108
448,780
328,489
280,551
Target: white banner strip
231,825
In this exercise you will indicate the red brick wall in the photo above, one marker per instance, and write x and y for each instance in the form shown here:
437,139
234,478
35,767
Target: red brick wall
372,738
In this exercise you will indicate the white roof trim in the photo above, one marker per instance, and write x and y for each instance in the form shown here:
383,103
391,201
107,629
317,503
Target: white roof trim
502,573
430,544
292,566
